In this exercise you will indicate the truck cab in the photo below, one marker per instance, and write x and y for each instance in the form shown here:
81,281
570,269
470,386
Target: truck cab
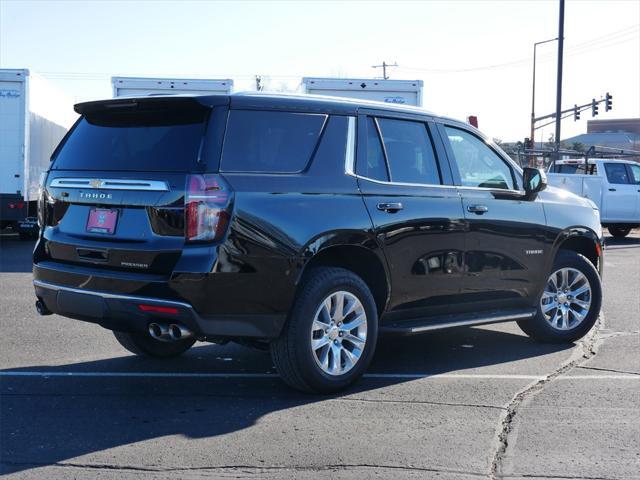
612,184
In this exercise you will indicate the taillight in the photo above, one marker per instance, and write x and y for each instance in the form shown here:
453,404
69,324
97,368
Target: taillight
41,199
207,207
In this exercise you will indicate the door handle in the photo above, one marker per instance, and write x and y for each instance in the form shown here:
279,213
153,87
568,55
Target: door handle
612,189
479,209
390,207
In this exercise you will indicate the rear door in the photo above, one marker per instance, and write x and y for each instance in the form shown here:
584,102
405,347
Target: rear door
416,212
621,195
505,243
116,188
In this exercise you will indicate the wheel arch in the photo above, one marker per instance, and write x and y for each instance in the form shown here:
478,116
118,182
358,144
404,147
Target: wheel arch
366,262
583,241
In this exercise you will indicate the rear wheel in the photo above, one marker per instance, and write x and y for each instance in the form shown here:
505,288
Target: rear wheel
145,345
619,231
570,303
330,336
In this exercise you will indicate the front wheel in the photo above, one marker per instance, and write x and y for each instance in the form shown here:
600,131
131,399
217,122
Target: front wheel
145,345
330,335
570,303
618,231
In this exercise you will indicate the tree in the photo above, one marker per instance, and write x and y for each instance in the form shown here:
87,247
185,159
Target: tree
577,146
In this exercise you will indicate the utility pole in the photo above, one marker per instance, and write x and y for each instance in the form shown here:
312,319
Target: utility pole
384,68
559,79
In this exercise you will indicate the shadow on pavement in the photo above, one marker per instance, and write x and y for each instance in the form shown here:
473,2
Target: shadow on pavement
46,420
15,254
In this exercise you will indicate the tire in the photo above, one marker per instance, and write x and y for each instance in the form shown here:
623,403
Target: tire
299,365
618,231
144,345
541,327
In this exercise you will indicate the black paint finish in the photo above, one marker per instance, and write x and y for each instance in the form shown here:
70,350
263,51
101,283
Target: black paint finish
434,255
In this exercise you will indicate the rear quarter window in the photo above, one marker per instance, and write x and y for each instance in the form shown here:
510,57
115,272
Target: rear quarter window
270,142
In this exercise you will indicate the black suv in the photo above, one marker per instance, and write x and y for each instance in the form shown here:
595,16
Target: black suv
305,225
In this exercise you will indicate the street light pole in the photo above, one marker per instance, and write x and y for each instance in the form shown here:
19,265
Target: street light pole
559,79
533,90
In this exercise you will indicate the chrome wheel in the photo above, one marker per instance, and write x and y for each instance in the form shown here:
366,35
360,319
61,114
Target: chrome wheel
566,299
339,333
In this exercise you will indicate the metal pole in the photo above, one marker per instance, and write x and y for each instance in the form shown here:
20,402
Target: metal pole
533,104
559,79
533,97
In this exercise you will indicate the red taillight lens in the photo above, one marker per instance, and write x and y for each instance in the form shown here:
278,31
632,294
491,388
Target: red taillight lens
207,208
157,309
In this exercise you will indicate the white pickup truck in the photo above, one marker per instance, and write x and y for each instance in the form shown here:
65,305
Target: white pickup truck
613,185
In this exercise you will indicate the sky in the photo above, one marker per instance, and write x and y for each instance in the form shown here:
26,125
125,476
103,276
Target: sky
474,57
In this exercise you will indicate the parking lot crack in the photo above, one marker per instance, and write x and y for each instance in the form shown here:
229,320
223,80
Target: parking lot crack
420,402
246,468
584,350
612,370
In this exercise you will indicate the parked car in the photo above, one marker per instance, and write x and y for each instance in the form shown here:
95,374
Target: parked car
613,185
306,225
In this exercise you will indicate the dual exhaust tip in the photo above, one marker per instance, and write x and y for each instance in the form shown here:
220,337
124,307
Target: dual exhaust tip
169,332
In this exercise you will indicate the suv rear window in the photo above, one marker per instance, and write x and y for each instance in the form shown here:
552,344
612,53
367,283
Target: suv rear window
137,140
270,142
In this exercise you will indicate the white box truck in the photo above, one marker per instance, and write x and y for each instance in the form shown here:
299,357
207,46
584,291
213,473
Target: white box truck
404,92
142,86
34,116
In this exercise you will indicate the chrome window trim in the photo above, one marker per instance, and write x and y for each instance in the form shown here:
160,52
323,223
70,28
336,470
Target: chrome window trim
429,185
350,148
111,184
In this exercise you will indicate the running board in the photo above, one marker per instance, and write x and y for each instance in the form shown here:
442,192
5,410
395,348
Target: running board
409,327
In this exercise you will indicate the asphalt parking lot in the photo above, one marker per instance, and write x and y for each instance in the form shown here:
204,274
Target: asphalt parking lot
465,403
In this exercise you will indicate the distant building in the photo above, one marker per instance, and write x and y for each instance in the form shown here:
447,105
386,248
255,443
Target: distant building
621,133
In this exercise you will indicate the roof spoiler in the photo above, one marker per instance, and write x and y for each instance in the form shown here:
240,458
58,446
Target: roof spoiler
152,102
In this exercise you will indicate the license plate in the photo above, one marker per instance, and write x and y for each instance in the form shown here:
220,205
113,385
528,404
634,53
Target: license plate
102,220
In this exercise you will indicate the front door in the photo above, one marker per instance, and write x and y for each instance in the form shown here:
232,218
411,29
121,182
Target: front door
418,221
505,243
621,195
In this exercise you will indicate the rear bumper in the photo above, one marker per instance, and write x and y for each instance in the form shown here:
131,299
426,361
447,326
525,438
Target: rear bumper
72,292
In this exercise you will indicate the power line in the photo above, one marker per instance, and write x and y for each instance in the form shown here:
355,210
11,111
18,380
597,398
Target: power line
617,35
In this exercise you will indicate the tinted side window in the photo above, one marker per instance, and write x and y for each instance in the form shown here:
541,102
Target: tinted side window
616,173
479,166
374,166
409,152
270,142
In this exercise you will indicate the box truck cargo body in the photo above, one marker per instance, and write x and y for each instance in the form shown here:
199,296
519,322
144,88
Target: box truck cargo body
404,92
34,116
141,86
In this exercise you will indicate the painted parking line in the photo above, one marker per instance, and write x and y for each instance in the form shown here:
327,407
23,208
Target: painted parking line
454,376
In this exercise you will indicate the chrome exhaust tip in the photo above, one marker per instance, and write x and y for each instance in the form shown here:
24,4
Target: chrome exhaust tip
179,332
159,332
42,308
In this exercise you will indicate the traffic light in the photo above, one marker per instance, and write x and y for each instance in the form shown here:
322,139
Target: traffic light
528,144
594,107
608,105
576,113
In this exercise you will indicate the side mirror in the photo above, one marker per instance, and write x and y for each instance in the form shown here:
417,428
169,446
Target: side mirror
535,180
